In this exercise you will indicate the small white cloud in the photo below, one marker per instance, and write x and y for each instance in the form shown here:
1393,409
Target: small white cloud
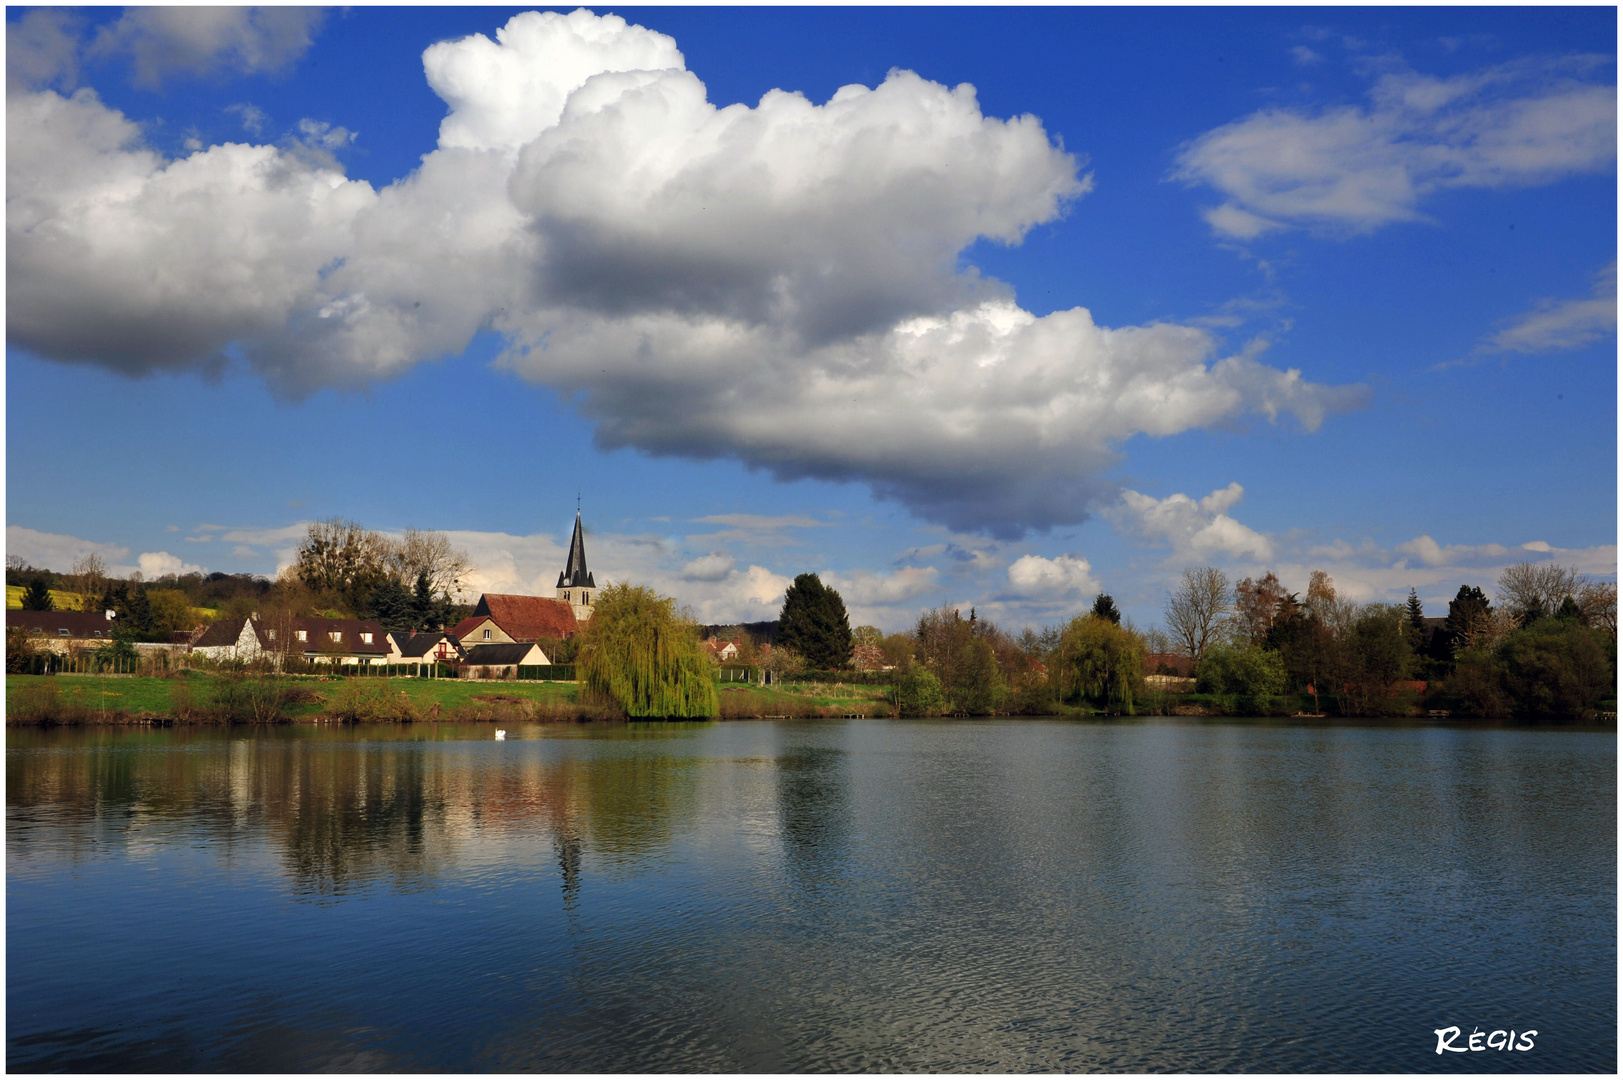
1230,220
1557,326
1194,530
1304,56
158,563
253,117
1432,553
1061,576
712,567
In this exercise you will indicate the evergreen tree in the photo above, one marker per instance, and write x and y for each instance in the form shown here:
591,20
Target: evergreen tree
390,604
135,617
37,596
1415,612
1467,611
424,611
813,623
1104,606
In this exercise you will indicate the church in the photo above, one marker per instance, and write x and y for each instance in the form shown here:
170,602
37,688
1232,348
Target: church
508,618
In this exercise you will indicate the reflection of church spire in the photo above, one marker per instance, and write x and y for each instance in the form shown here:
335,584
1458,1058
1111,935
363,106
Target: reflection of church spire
569,851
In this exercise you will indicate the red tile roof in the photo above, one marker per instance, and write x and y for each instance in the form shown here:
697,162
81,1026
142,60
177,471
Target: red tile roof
528,618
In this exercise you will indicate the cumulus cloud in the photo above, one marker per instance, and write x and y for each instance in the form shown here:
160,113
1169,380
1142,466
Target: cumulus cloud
1556,326
1431,553
1354,168
1194,530
777,283
1061,576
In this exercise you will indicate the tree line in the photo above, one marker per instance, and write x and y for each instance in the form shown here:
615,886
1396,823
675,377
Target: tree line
1547,650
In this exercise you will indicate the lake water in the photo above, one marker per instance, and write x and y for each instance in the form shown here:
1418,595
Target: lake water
1003,895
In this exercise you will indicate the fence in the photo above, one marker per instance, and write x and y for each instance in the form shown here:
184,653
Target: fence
547,672
86,664
393,671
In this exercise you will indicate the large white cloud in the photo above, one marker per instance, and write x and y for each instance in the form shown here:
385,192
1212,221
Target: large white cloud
779,283
1351,169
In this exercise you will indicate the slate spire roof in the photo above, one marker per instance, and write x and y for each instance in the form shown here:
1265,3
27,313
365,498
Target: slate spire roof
575,574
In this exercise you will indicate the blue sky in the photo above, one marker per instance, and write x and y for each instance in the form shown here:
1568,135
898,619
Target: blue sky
1061,301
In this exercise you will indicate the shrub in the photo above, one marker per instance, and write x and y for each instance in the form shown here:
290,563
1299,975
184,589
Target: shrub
1242,670
918,692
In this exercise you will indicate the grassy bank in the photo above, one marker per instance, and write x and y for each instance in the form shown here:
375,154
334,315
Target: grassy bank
200,697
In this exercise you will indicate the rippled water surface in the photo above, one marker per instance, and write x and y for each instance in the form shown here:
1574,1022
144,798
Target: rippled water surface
851,896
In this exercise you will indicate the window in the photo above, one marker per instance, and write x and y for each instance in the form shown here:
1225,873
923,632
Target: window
566,596
487,634
96,633
367,638
301,634
336,635
272,634
63,631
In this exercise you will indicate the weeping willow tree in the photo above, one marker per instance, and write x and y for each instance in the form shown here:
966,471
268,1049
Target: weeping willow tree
1101,661
640,653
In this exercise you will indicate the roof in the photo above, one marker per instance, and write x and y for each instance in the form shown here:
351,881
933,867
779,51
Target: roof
517,653
317,637
221,632
469,625
575,575
423,644
78,624
526,618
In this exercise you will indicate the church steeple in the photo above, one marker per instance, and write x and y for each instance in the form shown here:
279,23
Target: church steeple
575,584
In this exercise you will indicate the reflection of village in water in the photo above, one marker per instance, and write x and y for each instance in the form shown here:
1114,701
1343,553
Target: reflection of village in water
346,812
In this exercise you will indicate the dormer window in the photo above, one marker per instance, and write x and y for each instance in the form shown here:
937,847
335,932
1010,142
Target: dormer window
271,634
64,632
367,638
336,635
301,635
96,633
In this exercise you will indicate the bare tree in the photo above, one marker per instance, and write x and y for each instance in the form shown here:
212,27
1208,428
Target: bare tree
88,581
1598,599
1321,602
420,552
1197,609
342,559
1528,590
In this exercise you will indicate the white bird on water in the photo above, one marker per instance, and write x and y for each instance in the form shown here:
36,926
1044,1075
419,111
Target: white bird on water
501,733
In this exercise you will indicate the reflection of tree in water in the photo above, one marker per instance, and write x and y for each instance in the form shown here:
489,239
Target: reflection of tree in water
352,817
814,811
346,811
